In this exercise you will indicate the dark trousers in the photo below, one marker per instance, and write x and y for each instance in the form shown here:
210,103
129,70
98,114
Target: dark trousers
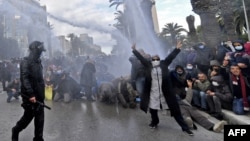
154,116
30,112
4,84
10,95
178,118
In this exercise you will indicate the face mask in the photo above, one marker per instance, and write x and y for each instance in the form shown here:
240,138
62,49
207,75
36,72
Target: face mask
155,63
201,46
37,54
215,83
59,71
238,47
189,67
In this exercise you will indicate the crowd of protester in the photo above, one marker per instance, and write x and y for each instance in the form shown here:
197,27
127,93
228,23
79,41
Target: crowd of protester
220,81
72,79
203,79
216,81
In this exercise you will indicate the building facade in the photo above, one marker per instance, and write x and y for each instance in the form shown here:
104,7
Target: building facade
24,21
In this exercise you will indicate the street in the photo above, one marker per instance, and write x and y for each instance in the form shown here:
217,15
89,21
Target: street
95,121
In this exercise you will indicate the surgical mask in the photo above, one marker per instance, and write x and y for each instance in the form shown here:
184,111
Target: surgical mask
189,67
215,83
201,46
238,47
59,71
155,63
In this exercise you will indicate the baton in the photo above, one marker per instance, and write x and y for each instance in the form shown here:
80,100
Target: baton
40,103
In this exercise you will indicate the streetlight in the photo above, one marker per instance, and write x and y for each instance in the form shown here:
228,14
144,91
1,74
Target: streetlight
248,31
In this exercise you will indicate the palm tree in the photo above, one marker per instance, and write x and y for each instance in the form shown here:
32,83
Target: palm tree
122,23
125,23
115,2
120,18
239,17
174,30
240,23
71,36
231,19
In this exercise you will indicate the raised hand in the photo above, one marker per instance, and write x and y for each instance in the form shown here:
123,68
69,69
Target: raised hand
179,44
189,83
133,46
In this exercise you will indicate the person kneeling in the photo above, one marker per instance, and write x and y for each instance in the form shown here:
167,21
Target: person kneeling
192,114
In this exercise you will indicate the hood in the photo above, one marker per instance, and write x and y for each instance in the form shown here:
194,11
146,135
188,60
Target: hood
179,66
242,60
242,44
214,63
36,45
238,41
36,48
217,78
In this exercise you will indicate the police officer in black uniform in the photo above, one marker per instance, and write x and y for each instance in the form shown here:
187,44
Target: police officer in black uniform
32,90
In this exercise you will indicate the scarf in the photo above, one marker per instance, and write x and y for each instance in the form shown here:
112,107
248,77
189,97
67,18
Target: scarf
243,90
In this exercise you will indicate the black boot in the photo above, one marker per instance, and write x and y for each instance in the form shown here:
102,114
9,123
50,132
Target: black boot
38,139
218,116
15,134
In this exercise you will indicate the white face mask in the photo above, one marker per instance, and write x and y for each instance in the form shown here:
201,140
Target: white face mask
155,63
238,47
201,46
59,71
215,83
189,67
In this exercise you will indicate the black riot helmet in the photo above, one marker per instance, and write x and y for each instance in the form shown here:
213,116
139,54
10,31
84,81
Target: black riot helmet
36,48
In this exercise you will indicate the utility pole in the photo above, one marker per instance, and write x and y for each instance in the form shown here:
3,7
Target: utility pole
248,31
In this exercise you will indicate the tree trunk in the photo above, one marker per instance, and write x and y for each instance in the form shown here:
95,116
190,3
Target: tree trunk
228,17
210,29
207,9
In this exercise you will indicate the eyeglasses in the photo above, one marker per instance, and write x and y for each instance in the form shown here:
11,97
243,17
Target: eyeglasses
226,60
155,59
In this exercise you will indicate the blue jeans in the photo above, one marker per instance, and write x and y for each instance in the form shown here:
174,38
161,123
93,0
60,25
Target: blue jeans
200,99
139,83
238,107
11,94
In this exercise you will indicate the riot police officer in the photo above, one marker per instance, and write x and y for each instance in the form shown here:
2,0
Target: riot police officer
32,91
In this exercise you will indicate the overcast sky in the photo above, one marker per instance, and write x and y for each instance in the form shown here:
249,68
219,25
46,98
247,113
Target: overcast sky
95,17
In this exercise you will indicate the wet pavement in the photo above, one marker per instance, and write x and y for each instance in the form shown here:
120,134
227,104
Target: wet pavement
95,121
